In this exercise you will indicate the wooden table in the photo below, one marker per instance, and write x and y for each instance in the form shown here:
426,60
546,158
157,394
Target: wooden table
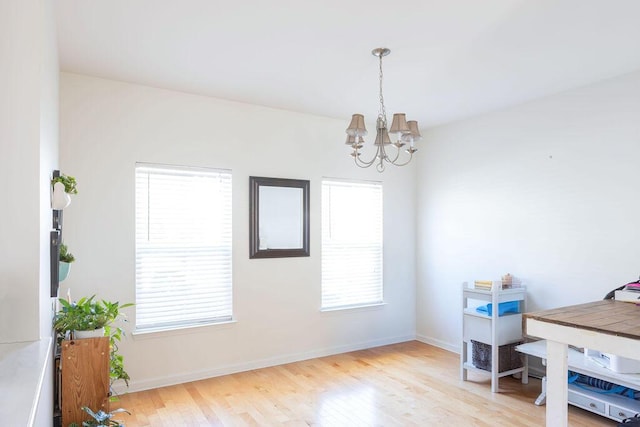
609,326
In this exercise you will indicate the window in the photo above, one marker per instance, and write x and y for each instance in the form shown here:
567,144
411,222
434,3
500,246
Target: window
183,246
351,244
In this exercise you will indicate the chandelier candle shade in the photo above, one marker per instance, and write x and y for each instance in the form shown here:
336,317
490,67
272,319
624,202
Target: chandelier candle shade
404,132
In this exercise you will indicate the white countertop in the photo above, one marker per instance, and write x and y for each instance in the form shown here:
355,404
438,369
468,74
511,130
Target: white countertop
22,369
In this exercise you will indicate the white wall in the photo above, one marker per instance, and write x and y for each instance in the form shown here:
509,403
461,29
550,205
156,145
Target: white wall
48,160
548,191
28,139
28,154
107,126
20,138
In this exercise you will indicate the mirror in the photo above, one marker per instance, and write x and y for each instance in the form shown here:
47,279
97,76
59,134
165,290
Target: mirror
279,217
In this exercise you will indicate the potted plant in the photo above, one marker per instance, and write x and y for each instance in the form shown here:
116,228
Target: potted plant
63,187
66,258
101,418
116,361
86,318
86,314
69,182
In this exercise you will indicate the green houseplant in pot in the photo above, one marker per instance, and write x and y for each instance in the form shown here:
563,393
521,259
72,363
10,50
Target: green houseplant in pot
66,258
101,418
69,182
98,318
62,188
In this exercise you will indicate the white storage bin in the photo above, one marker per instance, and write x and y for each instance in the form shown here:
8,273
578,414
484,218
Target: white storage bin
478,327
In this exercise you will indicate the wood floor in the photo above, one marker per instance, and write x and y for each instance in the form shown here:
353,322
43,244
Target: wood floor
408,384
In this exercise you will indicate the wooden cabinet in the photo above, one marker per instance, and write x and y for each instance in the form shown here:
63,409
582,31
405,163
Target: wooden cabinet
490,329
84,377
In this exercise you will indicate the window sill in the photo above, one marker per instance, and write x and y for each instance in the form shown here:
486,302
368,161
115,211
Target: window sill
351,308
179,330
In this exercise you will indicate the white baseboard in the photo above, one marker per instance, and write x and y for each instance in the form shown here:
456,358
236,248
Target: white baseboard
250,365
437,343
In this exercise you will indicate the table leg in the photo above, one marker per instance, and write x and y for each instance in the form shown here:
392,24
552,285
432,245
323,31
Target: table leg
542,398
556,384
463,360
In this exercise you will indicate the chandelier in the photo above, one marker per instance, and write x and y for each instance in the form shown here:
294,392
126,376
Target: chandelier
404,132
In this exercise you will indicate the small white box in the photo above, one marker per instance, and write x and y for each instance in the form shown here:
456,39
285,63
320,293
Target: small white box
622,365
592,353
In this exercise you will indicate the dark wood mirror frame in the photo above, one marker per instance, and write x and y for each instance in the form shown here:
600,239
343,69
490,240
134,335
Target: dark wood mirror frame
254,217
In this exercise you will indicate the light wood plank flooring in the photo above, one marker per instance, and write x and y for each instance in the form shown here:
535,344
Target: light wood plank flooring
408,384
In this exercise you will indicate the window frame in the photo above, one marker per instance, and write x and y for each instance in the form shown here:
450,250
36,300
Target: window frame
213,249
377,187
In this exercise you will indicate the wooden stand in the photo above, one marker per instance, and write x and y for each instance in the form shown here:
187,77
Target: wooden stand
84,366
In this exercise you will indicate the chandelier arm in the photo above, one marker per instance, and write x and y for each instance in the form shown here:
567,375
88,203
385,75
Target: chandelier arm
365,164
395,159
362,165
402,164
393,162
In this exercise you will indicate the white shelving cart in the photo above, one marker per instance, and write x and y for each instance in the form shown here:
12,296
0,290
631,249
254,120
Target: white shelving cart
490,329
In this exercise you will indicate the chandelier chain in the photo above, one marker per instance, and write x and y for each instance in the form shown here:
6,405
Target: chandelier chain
382,113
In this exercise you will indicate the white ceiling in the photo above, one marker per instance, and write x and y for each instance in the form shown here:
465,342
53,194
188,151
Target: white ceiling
449,58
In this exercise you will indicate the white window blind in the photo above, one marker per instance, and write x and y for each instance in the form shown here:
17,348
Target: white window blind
351,244
183,246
